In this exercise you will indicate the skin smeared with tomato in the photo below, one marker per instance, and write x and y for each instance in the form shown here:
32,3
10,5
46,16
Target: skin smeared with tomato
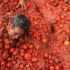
21,2
14,32
18,26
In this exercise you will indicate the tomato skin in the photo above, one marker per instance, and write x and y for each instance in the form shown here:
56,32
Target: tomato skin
16,1
27,56
5,55
6,1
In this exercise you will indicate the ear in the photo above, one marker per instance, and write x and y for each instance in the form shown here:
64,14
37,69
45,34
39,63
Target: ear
9,28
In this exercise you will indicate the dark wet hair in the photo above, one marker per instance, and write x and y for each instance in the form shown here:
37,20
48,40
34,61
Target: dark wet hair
21,21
